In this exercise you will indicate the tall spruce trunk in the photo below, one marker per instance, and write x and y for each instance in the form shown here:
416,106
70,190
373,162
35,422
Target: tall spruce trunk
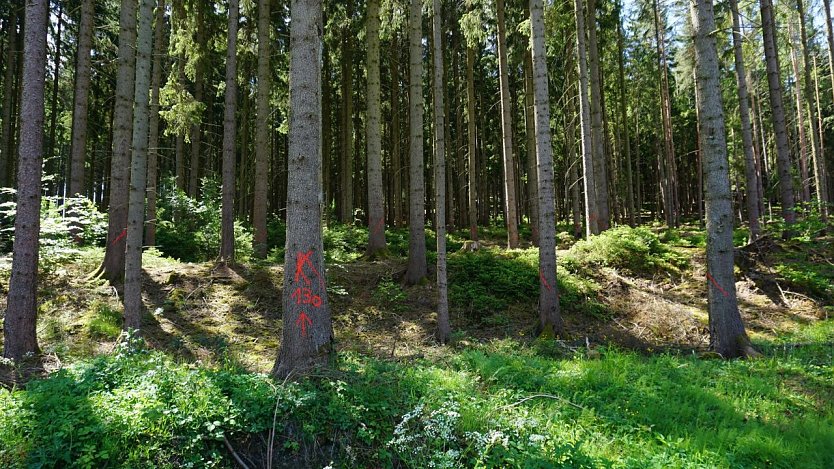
7,143
667,165
346,198
260,205
550,321
417,268
153,139
54,163
746,129
471,148
530,131
307,336
444,331
19,325
396,153
829,34
510,202
114,253
588,175
625,145
227,222
598,136
376,206
138,170
801,125
726,328
816,143
83,69
783,157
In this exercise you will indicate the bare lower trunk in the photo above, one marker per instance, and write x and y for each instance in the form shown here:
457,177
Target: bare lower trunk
396,154
530,130
19,325
259,208
471,147
804,179
726,328
307,336
136,213
417,269
7,143
346,198
444,331
591,213
550,321
78,145
598,136
227,223
153,144
625,144
376,213
783,157
510,204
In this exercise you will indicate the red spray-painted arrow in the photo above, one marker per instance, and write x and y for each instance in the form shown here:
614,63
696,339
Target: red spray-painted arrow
303,321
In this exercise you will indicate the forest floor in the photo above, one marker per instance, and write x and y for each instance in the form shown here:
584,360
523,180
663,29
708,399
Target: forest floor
614,313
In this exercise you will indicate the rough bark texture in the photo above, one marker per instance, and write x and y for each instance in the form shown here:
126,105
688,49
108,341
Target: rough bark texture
346,192
530,130
801,125
307,337
783,157
444,330
726,328
591,213
550,321
138,170
668,171
262,126
376,206
20,338
153,139
53,161
471,148
7,144
227,222
416,270
597,129
78,144
746,129
626,146
510,202
396,154
114,254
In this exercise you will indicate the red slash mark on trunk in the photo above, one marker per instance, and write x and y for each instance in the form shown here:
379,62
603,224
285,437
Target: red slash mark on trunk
379,226
712,279
302,260
120,237
544,280
303,321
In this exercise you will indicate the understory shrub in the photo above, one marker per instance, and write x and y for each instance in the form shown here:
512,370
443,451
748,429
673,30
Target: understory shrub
638,251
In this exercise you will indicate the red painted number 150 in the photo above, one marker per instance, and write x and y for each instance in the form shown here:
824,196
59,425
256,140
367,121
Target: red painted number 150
305,296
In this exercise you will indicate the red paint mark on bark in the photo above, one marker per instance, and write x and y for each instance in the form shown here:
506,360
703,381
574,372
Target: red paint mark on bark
120,237
544,280
303,321
302,260
712,279
305,296
379,225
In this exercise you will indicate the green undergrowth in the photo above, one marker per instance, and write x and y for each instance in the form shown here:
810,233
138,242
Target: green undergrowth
638,251
500,404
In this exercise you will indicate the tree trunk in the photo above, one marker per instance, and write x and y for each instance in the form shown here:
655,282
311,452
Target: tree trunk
376,212
153,143
396,154
78,148
816,144
196,129
346,198
114,254
726,328
550,321
625,145
667,166
598,136
530,131
510,204
53,161
746,129
19,326
472,143
591,212
307,336
260,205
136,212
7,145
783,157
417,269
805,180
227,223
444,331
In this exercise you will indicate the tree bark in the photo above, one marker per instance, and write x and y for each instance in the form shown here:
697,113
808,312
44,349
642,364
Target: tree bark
783,157
591,212
625,144
726,328
54,162
19,325
227,223
510,202
598,136
138,170
83,71
7,144
114,254
530,131
472,143
667,166
550,321
801,125
307,337
262,126
376,212
417,269
153,139
346,199
746,129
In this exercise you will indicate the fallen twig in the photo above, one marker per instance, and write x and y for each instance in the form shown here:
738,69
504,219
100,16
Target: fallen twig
234,453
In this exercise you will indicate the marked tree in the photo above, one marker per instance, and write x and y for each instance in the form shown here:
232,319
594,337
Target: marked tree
138,170
550,321
726,328
444,331
307,337
376,211
19,334
227,222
